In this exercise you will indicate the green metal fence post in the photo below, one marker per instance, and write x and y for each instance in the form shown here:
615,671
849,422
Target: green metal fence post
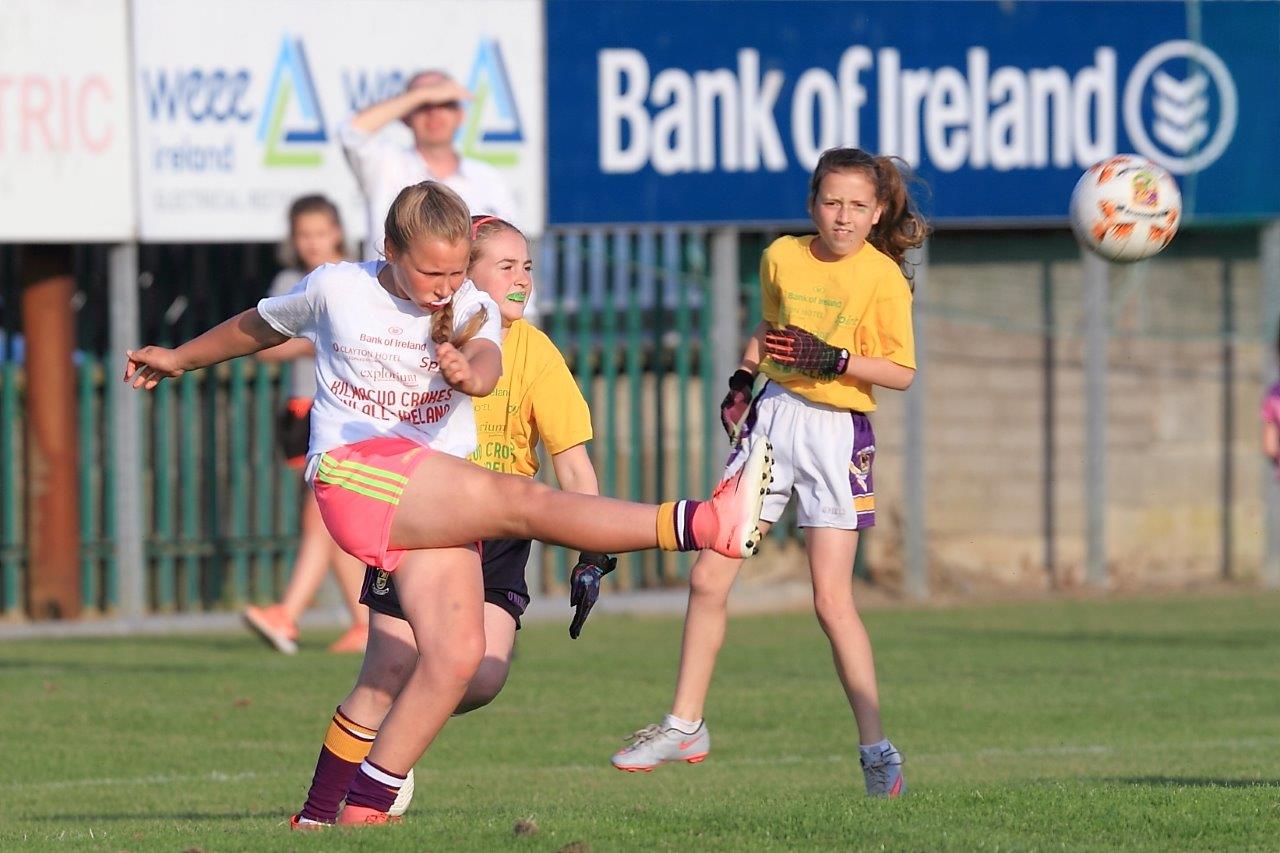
263,482
162,489
239,498
87,379
635,378
606,299
707,365
189,477
110,470
674,281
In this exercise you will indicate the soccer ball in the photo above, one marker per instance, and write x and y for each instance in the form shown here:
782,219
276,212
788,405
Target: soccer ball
1126,208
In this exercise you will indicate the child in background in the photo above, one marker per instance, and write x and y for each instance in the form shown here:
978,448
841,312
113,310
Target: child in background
1271,422
837,322
315,239
402,346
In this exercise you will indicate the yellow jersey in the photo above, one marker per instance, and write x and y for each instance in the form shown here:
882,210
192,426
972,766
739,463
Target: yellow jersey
535,400
860,303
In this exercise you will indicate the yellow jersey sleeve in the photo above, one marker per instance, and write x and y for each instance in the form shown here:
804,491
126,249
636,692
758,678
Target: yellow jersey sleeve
769,293
558,412
893,323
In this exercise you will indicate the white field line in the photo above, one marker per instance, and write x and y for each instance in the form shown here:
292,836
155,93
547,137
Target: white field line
219,777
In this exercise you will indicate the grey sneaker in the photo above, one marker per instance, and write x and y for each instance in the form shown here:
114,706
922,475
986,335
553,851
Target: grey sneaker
883,773
658,744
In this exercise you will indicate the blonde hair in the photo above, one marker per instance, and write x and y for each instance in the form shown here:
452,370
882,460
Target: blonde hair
433,211
484,227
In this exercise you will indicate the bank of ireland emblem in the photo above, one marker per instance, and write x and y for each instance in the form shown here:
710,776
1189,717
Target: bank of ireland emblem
1180,106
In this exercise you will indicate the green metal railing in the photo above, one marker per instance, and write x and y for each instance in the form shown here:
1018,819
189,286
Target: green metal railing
630,309
222,507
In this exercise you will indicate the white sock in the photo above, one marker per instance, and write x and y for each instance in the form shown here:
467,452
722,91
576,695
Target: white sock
874,748
679,724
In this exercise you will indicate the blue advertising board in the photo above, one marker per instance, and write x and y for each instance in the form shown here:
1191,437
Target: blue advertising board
708,111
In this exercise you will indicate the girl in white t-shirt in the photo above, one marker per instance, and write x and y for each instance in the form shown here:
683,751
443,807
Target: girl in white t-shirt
401,346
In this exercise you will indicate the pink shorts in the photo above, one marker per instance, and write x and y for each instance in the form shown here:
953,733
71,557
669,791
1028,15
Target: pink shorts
358,487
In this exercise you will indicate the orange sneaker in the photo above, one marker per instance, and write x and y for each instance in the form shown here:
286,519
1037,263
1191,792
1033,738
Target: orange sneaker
352,641
364,816
737,501
298,822
273,625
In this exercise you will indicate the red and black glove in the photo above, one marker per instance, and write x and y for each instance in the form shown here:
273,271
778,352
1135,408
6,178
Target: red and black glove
584,586
805,353
735,403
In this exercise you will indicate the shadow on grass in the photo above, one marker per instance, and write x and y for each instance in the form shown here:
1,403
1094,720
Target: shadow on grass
1242,640
1196,782
160,815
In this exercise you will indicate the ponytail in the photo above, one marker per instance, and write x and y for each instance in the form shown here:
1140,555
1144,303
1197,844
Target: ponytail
442,325
901,227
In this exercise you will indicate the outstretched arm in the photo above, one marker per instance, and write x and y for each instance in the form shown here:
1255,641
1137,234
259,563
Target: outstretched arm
243,334
288,351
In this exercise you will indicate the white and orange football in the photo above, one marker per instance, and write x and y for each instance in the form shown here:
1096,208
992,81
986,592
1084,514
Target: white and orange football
1126,208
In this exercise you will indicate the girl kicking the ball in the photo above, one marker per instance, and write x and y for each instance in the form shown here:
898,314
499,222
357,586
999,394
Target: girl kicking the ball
837,323
535,401
402,346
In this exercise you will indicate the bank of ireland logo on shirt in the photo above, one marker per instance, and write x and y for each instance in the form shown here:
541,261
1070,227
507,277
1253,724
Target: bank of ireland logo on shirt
292,124
1180,106
493,119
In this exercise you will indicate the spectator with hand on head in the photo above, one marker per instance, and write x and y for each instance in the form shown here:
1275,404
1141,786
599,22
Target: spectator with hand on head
432,106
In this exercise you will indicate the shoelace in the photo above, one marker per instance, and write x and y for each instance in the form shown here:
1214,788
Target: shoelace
879,773
643,736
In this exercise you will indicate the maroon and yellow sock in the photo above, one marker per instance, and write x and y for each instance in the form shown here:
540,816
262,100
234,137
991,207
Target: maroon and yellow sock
375,787
685,525
346,744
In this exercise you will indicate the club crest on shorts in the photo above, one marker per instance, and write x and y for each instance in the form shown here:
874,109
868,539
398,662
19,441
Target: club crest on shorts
860,467
381,583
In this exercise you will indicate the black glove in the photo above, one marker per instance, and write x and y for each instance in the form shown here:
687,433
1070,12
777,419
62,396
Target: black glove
805,353
584,586
735,403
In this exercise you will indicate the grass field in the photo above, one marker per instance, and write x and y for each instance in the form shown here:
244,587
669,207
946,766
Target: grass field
1062,725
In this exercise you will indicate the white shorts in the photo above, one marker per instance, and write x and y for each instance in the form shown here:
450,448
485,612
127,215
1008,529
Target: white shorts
821,454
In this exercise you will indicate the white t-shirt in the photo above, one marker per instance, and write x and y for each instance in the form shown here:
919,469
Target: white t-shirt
302,376
383,168
376,371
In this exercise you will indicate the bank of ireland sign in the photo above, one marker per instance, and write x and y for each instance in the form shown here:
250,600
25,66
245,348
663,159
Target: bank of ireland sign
721,116
1182,135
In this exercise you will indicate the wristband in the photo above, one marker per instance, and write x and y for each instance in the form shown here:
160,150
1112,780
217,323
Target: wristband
842,363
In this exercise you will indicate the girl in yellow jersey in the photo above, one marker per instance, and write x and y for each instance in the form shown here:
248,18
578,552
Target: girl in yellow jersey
535,400
837,323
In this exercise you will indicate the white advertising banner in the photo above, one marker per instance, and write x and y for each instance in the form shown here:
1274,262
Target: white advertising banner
238,102
66,170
